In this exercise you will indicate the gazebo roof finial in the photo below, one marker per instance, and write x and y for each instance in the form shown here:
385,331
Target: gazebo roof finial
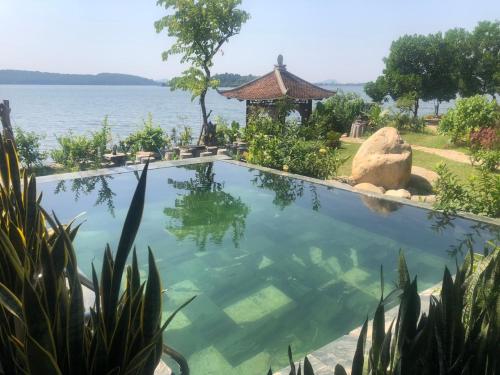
280,65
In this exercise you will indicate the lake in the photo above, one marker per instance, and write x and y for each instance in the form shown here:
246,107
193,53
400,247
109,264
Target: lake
55,110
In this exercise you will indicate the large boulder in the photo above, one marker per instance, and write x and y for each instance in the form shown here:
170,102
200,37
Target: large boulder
384,160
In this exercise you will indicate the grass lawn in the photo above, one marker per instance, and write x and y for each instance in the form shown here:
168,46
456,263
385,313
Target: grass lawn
420,158
429,139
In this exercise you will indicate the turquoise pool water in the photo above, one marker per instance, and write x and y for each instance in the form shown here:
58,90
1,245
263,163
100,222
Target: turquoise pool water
273,260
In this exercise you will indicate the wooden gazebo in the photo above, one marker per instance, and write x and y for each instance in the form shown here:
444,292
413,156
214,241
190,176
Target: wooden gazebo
264,92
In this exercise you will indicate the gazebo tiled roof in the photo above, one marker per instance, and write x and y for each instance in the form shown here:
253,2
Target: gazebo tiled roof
277,84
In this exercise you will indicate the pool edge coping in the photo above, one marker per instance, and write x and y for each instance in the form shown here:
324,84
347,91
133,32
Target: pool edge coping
128,168
347,187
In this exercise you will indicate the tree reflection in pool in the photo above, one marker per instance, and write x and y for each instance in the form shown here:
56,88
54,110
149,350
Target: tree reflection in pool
205,212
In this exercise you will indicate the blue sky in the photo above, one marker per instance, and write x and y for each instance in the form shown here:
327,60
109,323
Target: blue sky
320,39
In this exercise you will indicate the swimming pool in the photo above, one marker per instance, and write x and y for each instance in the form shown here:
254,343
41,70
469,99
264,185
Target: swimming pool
273,260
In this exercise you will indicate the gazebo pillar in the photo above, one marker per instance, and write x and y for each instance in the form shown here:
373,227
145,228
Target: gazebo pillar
305,110
247,115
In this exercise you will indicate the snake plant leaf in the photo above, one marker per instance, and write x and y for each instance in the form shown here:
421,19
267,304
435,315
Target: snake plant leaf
117,355
308,369
290,361
95,282
30,201
37,322
404,275
49,280
359,354
339,370
10,302
106,277
11,254
4,165
270,372
378,334
136,278
385,354
152,300
138,361
15,177
129,232
172,316
59,255
41,362
75,326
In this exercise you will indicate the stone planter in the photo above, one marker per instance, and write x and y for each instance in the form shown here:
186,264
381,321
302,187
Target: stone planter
169,155
185,155
212,149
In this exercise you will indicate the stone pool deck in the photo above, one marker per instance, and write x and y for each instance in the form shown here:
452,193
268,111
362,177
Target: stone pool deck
341,351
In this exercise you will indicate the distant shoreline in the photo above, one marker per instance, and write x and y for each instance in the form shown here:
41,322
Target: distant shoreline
26,77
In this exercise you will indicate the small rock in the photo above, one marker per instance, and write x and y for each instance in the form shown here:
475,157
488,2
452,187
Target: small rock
366,186
424,198
400,193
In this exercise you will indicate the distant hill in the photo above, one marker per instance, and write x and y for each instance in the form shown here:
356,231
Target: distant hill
233,80
25,77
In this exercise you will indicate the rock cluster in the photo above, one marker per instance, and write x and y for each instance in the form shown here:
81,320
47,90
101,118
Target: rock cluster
382,165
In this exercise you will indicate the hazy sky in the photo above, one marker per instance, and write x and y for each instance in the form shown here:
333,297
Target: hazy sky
320,39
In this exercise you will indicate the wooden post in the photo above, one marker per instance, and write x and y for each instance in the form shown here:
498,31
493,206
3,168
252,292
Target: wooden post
8,133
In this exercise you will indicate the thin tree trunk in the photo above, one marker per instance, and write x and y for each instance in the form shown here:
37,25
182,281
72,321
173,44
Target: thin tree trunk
205,117
415,110
6,124
436,107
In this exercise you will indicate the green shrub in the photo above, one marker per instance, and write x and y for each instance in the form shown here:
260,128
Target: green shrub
150,137
28,147
227,133
185,136
484,145
80,151
377,117
469,114
44,328
479,195
336,113
313,159
487,159
405,121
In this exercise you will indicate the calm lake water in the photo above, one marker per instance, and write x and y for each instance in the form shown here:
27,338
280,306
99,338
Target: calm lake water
55,110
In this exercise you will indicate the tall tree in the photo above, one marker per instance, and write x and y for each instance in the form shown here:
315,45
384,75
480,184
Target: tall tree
464,62
438,81
200,29
404,68
476,62
420,67
486,48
